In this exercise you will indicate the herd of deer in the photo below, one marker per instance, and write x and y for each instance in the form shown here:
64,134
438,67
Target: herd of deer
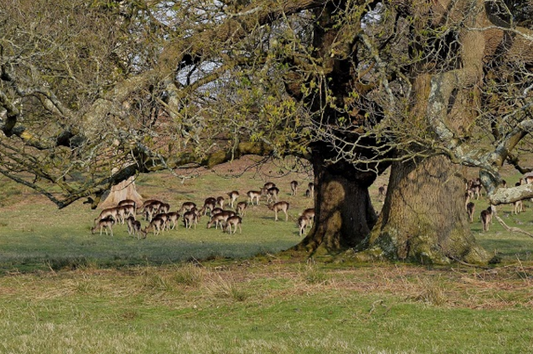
474,189
160,218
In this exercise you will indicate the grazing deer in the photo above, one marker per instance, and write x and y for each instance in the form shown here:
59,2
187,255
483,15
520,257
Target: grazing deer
190,218
126,202
294,187
234,221
272,194
150,207
104,224
173,218
241,208
164,217
303,223
253,195
134,227
210,203
280,206
486,218
470,210
156,226
233,196
220,202
127,211
220,218
309,214
268,185
187,206
108,213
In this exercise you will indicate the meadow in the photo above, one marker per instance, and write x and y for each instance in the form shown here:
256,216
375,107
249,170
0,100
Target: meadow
65,290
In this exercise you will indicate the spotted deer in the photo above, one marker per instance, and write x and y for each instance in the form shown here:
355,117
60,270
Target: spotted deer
104,225
280,206
232,223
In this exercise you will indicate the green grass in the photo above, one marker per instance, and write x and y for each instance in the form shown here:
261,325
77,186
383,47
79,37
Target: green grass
64,290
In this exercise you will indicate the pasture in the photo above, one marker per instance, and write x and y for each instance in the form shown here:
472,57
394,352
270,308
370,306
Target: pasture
65,290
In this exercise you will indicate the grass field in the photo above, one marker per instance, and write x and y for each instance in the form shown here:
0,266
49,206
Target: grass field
64,290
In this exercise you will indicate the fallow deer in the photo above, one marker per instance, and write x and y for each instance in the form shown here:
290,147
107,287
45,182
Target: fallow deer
382,191
108,213
470,210
220,218
311,189
303,223
220,202
187,206
173,217
104,224
241,208
253,195
156,226
518,207
233,196
280,206
486,218
232,223
210,203
134,227
294,187
309,214
126,202
272,194
190,218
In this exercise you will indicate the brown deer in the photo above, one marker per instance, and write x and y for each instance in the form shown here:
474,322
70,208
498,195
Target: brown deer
470,210
187,206
518,207
253,195
173,218
271,194
382,191
220,202
309,214
233,196
294,187
280,206
220,218
134,227
104,224
234,221
310,190
241,208
303,223
156,226
210,203
190,218
126,202
109,213
486,218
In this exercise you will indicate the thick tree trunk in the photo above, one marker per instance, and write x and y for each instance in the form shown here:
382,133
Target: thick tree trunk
344,214
424,218
121,191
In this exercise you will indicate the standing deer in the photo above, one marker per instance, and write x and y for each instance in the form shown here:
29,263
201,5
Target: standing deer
486,218
241,208
108,213
303,223
134,227
233,196
280,206
470,210
156,226
294,187
310,192
190,218
220,218
382,191
220,202
271,194
253,195
233,221
210,203
309,214
518,207
104,224
173,217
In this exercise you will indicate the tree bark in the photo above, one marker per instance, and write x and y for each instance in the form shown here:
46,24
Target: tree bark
344,214
424,219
